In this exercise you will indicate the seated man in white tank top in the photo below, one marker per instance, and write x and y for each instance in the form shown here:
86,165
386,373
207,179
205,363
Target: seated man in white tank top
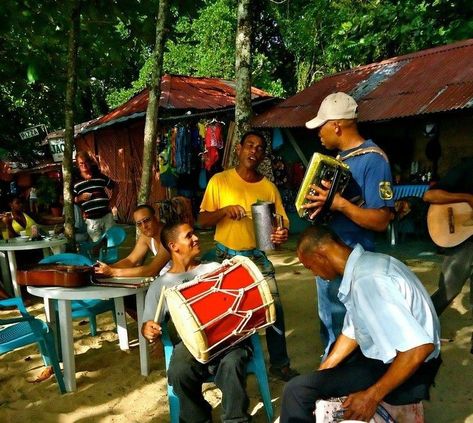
132,265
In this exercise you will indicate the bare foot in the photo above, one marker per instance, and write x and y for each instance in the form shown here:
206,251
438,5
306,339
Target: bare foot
44,375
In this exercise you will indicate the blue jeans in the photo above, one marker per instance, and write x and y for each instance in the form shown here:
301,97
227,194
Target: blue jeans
275,335
457,268
331,311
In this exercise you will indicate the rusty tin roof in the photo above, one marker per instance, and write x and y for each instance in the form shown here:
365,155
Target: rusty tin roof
429,81
180,93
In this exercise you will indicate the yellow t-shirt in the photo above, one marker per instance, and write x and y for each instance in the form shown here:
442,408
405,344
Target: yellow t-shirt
227,188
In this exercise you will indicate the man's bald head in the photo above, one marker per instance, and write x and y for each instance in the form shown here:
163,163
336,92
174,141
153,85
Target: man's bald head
314,237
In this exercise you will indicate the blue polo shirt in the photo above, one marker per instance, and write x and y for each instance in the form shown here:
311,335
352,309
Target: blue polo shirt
369,171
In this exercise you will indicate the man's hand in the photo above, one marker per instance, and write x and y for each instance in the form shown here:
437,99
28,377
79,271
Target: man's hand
84,196
318,200
7,218
279,235
360,406
103,269
151,330
235,212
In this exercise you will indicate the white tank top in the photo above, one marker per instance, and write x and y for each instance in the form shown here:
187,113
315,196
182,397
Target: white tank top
154,249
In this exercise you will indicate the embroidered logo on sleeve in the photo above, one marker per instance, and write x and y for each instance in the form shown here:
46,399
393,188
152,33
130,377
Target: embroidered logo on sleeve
385,190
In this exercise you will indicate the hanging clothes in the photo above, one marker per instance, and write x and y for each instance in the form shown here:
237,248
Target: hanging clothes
213,135
278,140
167,176
183,150
202,129
172,144
213,143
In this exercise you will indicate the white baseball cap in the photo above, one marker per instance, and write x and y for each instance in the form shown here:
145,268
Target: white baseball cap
334,106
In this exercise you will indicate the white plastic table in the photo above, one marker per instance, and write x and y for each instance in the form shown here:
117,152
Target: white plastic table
66,295
18,244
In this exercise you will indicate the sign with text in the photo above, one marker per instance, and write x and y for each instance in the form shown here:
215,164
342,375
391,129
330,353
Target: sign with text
34,131
56,146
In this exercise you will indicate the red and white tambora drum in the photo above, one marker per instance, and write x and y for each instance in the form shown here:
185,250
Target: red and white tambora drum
217,310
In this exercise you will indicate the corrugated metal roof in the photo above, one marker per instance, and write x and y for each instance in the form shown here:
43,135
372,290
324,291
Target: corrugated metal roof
61,132
429,81
179,92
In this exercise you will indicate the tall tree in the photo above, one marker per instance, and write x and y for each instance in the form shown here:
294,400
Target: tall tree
151,122
71,89
243,110
33,45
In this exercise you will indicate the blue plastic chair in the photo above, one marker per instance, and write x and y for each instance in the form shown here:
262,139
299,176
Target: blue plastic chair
27,330
256,366
106,248
82,308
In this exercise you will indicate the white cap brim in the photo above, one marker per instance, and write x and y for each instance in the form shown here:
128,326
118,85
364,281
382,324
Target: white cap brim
315,123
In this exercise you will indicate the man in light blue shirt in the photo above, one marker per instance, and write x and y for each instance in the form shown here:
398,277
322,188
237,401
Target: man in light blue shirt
389,348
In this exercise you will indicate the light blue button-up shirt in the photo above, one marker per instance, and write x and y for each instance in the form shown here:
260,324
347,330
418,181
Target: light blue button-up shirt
388,308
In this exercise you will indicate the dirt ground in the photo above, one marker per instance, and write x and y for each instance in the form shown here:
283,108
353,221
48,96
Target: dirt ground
111,389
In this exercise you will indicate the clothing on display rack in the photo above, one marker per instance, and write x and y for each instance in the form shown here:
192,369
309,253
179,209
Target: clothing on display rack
213,143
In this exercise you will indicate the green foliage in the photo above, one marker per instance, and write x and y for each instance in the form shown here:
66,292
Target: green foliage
296,42
202,43
33,47
47,191
329,36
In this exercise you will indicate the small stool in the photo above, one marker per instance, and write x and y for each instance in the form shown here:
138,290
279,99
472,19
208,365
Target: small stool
408,413
330,410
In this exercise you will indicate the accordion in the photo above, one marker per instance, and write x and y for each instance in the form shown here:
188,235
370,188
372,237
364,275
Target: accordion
322,167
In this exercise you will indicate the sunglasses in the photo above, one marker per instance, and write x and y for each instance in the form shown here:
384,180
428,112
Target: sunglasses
143,221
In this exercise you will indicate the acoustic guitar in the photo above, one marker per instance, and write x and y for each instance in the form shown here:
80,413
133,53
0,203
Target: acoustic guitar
55,275
450,224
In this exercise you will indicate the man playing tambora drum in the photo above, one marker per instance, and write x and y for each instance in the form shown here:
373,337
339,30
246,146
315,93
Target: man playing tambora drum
226,205
389,348
185,373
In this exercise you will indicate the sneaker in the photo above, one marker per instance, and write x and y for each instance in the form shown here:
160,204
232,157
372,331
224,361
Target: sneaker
284,373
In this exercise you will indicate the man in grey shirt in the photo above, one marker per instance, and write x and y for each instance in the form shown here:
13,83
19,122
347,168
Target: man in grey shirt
185,373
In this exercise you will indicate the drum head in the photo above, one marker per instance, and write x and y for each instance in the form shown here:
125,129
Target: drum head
187,325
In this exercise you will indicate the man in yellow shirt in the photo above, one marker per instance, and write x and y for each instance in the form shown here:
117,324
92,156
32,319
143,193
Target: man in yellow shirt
226,205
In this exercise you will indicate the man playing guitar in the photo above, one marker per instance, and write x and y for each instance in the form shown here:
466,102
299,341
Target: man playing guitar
454,194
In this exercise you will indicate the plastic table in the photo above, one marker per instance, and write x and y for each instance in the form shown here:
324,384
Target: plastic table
64,296
19,244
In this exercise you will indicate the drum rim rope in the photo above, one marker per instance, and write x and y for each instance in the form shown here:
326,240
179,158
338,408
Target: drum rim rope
198,345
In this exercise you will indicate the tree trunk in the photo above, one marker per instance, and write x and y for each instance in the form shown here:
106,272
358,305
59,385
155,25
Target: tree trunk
243,109
71,89
151,123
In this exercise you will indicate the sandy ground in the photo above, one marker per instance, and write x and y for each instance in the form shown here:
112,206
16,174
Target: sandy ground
111,389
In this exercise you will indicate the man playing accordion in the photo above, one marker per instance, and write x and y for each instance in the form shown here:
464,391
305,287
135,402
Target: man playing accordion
365,205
